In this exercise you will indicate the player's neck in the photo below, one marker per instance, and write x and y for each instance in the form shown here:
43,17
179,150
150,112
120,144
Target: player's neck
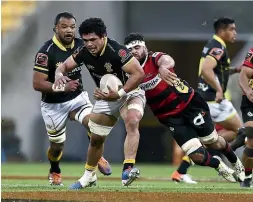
65,45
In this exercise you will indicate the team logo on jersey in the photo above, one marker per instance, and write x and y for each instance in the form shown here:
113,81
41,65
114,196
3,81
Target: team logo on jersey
124,55
151,83
108,67
250,114
249,56
41,59
58,64
216,53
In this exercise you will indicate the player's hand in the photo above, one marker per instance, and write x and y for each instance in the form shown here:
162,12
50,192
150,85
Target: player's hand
219,96
111,96
71,86
61,80
249,95
168,76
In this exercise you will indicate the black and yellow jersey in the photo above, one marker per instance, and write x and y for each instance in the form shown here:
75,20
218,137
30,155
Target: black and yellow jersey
48,58
215,49
110,61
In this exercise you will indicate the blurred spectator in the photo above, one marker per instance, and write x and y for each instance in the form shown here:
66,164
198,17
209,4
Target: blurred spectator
10,149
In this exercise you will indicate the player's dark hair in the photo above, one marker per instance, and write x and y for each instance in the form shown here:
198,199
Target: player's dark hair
222,23
93,25
64,14
133,37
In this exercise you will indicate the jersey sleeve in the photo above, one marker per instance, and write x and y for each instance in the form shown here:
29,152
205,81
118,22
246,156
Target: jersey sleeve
79,55
215,51
156,56
123,55
41,62
248,61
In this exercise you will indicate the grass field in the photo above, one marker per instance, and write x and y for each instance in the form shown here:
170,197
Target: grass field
29,181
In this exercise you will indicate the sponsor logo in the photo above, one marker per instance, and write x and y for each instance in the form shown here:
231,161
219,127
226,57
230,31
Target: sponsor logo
150,84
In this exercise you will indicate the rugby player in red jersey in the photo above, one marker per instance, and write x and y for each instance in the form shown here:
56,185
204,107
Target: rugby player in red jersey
182,110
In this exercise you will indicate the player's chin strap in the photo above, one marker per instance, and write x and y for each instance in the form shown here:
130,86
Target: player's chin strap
135,43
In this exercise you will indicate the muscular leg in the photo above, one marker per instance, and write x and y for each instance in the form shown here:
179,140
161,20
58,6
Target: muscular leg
231,125
131,114
82,115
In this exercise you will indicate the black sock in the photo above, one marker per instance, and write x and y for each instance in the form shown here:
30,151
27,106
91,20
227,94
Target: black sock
54,167
210,160
229,153
127,165
182,169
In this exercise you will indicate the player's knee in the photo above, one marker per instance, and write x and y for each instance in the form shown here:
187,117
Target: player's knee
191,145
247,158
210,139
99,130
57,137
200,156
132,122
97,140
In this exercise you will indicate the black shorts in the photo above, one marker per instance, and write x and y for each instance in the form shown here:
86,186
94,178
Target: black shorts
193,122
247,109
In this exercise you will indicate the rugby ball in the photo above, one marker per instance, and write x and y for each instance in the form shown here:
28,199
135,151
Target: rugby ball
110,80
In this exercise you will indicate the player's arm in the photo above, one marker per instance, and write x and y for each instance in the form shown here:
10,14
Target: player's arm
208,74
136,74
40,74
245,75
68,65
166,65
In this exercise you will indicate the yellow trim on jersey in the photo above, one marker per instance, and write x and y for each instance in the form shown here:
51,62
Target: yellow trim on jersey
62,47
219,40
211,57
231,116
40,68
128,61
103,50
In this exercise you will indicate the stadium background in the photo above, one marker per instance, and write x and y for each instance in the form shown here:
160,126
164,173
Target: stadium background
178,28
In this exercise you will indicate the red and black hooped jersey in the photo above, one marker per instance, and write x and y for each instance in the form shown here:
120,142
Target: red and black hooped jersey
163,99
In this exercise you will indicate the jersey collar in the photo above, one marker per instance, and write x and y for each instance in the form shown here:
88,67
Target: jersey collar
219,40
103,50
58,43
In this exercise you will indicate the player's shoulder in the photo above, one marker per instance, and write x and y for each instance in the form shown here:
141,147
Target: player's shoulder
114,45
155,54
46,47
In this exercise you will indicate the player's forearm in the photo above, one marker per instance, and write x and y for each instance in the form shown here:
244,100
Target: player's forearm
65,67
209,77
43,86
134,81
244,82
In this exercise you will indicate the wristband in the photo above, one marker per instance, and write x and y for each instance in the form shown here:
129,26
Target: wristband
121,92
60,88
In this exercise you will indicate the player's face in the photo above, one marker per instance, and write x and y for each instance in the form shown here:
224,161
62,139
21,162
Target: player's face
138,52
230,33
66,29
93,43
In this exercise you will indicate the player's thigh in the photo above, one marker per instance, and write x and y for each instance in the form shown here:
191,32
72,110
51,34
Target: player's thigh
225,114
199,117
103,117
133,108
183,133
55,117
81,108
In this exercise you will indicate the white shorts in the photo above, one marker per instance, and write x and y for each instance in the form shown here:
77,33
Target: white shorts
113,108
55,115
221,111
